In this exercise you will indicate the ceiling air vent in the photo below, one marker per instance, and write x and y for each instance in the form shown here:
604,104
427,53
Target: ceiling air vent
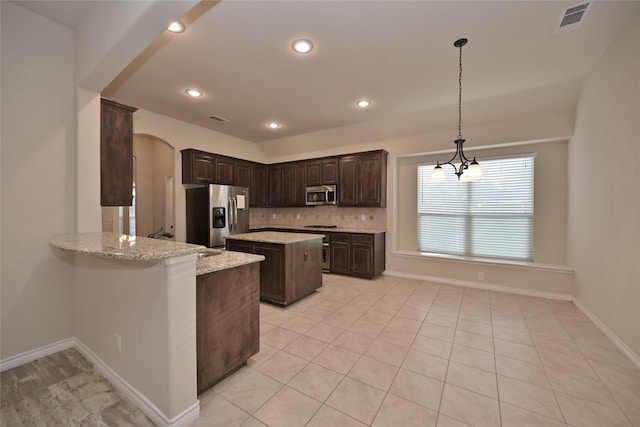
219,119
572,17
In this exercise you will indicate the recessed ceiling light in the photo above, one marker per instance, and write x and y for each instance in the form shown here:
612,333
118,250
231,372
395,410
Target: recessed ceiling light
273,125
363,103
193,92
302,46
176,27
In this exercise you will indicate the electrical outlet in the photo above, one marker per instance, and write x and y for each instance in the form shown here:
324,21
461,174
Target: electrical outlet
274,216
363,217
481,276
118,343
297,216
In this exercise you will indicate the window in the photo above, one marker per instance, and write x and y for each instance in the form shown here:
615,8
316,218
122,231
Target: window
491,217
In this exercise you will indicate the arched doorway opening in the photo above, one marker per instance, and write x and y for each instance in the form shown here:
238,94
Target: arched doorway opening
153,210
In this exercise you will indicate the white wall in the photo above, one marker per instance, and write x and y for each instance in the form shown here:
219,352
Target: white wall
604,190
38,179
181,135
50,175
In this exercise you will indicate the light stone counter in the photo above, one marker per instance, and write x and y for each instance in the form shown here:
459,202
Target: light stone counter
278,237
122,246
321,229
224,260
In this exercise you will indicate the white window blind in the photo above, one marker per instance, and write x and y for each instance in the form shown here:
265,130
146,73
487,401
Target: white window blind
491,217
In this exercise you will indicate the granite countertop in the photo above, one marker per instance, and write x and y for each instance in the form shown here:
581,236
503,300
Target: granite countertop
122,246
224,260
275,237
324,230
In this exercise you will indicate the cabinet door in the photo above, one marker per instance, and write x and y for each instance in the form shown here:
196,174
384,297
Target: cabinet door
116,154
258,191
299,184
287,185
369,176
272,278
225,170
275,192
314,172
227,311
362,255
330,171
243,174
198,167
347,174
340,260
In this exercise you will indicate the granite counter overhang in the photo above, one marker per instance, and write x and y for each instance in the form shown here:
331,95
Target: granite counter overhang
224,260
122,246
136,248
319,229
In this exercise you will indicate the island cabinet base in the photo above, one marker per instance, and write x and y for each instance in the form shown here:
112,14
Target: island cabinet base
227,322
289,272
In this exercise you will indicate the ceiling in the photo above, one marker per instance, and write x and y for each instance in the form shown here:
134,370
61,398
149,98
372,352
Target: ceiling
398,54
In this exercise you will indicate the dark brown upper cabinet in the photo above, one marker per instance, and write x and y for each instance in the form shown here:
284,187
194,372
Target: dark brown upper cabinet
116,153
322,171
243,173
198,167
259,188
225,170
293,183
330,171
363,179
314,172
275,184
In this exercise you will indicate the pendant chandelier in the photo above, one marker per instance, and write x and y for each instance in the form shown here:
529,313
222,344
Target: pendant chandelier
468,170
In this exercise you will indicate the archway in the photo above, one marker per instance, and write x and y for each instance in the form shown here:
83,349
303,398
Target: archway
153,210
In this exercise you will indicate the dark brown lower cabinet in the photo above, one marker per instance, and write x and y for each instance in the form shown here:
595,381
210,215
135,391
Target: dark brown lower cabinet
340,249
289,272
227,322
357,254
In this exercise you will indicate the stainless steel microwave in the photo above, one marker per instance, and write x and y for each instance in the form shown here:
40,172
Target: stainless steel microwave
322,195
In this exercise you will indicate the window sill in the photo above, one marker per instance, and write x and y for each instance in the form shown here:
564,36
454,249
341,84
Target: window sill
487,261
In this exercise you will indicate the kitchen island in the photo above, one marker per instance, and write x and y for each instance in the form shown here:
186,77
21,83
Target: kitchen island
135,315
358,252
292,268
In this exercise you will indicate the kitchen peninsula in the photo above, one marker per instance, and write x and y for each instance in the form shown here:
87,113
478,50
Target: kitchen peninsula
292,268
135,314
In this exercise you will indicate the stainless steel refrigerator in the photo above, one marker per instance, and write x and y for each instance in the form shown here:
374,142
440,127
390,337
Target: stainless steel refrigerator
215,212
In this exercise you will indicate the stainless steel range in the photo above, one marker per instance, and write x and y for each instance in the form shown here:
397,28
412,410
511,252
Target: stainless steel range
326,247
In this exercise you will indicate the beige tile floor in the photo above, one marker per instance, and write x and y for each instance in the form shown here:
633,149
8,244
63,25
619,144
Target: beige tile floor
402,353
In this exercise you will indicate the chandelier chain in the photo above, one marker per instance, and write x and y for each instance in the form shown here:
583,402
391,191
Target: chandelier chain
460,97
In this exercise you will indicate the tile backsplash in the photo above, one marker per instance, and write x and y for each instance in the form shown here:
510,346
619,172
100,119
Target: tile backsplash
368,218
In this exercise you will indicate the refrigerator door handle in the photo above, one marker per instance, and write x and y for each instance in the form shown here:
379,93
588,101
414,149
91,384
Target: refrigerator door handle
230,213
235,211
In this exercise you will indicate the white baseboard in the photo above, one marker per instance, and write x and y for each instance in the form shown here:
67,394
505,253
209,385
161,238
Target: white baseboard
478,285
185,418
38,353
630,354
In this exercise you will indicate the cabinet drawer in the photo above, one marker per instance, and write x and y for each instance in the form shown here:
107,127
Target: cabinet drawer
340,237
362,238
